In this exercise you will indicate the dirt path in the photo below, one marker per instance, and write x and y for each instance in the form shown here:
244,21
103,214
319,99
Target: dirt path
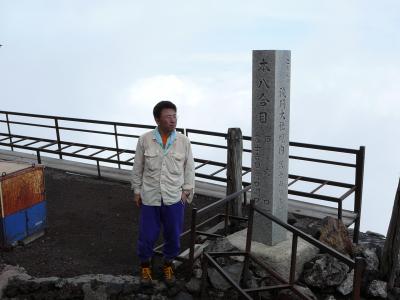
91,229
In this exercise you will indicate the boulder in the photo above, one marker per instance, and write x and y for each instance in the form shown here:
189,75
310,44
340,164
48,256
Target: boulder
371,257
251,283
308,225
306,291
346,287
218,282
334,234
377,288
324,271
9,273
290,295
182,296
220,245
259,271
394,294
287,295
371,270
266,295
194,285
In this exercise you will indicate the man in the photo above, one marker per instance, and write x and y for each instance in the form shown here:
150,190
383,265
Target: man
163,182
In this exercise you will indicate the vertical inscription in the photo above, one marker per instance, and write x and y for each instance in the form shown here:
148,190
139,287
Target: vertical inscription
263,138
270,140
282,148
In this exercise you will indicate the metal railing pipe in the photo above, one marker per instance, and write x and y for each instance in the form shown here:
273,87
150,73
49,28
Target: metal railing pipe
205,132
222,201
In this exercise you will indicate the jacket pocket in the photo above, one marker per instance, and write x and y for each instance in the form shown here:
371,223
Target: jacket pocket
175,163
151,160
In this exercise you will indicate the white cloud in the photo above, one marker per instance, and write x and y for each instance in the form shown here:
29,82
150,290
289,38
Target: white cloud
166,87
225,57
205,103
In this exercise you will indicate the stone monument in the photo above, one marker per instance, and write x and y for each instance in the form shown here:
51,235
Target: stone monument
270,142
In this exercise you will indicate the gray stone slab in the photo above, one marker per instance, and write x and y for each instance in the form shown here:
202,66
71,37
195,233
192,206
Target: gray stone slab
278,256
270,141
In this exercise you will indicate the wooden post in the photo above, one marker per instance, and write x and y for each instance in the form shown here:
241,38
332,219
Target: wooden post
234,169
390,254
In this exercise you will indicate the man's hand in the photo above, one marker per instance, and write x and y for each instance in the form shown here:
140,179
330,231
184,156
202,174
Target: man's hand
138,200
184,197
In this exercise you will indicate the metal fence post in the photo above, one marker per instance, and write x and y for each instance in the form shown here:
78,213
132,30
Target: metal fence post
226,219
39,159
293,259
9,132
244,200
340,209
116,143
358,270
245,274
192,237
98,168
58,137
358,192
204,275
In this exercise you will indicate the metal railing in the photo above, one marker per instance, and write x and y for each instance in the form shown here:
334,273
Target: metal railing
31,143
356,187
195,231
208,257
60,147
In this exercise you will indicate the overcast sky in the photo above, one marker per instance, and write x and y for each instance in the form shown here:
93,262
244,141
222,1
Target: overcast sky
114,60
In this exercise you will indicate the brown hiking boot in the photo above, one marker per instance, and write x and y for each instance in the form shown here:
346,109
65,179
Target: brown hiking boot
168,271
145,275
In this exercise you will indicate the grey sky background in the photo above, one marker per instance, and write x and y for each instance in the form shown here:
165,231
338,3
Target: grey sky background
114,60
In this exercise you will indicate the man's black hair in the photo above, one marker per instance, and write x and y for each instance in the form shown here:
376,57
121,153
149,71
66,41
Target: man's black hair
162,105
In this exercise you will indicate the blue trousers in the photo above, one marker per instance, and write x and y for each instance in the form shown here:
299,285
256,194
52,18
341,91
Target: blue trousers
152,218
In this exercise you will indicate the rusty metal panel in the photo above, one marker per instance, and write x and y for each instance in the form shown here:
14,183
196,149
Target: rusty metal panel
22,189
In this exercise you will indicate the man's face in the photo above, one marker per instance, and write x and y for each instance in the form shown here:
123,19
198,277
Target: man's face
167,120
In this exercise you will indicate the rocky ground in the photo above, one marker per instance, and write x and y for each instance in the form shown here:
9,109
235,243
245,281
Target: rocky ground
323,278
92,231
